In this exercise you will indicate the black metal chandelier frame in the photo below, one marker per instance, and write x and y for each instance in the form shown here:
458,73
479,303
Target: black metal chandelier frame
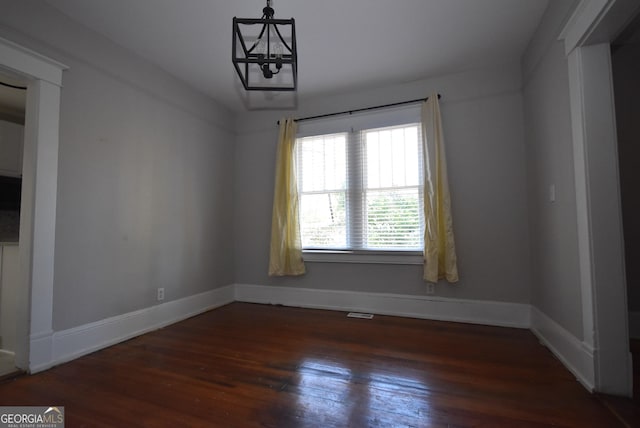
269,63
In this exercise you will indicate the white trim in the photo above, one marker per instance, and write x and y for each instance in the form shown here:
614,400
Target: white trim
38,211
436,308
600,241
583,220
584,20
78,341
40,347
604,308
26,61
577,356
370,257
39,197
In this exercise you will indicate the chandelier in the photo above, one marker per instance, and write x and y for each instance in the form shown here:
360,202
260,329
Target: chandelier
264,52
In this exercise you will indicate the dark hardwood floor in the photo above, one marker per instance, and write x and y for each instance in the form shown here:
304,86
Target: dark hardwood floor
246,365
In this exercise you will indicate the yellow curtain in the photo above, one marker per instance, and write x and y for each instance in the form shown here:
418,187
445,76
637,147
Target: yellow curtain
285,257
440,260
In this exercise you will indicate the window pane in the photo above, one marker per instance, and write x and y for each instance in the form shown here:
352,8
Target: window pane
362,190
393,194
323,220
393,219
322,162
412,159
392,157
322,175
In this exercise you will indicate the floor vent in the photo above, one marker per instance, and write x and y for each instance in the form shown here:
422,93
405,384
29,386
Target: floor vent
360,315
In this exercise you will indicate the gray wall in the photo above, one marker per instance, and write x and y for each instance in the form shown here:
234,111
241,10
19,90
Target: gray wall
145,167
483,125
549,153
626,72
149,196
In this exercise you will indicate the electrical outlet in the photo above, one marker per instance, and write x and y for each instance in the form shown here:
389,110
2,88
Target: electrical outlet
431,288
160,293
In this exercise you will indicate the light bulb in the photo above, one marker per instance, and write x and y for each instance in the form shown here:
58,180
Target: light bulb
278,50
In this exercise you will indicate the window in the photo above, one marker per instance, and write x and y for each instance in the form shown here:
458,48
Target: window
361,191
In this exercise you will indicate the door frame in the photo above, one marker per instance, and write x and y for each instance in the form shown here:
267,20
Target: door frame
43,77
587,36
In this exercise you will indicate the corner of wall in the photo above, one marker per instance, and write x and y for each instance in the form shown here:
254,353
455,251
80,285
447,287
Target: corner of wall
552,22
576,355
62,346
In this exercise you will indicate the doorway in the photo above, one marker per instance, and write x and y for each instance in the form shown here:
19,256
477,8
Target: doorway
43,78
12,119
625,63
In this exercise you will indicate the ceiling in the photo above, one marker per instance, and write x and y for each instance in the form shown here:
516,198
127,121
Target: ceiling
342,45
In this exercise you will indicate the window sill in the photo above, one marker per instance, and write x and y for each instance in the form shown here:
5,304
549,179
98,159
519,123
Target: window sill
368,257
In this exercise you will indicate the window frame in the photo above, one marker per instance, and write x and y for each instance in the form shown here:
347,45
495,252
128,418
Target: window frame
397,117
364,257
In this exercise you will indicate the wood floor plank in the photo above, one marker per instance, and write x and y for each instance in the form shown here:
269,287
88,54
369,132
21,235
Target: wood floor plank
248,365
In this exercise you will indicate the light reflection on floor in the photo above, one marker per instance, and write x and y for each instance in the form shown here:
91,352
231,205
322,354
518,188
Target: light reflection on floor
330,394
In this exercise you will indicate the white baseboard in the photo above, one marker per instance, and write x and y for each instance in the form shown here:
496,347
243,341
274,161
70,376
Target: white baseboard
52,348
436,308
577,356
40,346
69,344
634,325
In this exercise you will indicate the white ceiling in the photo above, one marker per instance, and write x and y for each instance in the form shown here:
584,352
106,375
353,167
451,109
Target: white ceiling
342,45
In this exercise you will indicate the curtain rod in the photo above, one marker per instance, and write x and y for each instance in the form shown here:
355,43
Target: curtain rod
13,86
302,119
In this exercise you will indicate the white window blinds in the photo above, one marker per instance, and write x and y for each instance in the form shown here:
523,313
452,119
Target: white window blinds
362,190
322,188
